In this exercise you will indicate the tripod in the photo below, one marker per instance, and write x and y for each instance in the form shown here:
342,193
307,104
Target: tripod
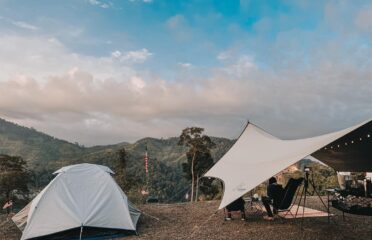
309,179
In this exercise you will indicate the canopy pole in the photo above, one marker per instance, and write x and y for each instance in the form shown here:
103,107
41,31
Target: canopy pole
81,232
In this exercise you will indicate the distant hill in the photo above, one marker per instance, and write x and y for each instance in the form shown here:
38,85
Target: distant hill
38,148
45,154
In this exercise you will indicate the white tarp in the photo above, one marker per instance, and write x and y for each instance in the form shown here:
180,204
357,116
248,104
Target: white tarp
257,155
80,195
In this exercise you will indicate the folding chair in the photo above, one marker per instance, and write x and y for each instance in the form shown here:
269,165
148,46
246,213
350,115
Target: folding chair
289,193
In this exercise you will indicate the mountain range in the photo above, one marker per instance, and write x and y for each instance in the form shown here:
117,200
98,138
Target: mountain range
44,154
38,148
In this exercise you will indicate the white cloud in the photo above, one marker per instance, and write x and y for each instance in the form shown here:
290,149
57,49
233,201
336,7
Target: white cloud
179,27
138,56
224,55
24,25
176,21
185,65
242,66
20,24
105,100
116,54
138,83
94,2
144,1
100,3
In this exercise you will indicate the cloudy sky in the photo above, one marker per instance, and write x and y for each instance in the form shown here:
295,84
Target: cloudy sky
107,71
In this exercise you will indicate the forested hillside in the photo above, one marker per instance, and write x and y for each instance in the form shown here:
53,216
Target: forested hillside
45,154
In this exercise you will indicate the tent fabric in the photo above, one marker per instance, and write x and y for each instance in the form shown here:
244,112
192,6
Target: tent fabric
20,219
64,169
355,146
257,155
82,195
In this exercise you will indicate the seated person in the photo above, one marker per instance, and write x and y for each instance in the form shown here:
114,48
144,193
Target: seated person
237,205
274,197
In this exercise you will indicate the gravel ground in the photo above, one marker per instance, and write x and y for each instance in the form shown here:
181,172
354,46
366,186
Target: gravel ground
8,230
201,221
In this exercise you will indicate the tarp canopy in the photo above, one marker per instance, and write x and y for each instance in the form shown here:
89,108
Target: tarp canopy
82,195
257,155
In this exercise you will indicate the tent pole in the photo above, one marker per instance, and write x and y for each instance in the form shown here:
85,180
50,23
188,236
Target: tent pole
81,232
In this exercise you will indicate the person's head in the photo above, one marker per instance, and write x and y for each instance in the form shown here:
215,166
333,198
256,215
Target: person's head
272,180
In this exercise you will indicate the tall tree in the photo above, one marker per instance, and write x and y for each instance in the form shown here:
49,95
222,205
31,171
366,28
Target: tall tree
199,157
13,175
120,175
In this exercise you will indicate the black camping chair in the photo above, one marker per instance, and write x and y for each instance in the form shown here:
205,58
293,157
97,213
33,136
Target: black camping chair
289,193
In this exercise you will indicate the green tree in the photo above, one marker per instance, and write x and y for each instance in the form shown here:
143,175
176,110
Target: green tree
13,175
121,176
199,157
166,182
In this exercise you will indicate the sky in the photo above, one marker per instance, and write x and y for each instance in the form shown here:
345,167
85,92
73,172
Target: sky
106,71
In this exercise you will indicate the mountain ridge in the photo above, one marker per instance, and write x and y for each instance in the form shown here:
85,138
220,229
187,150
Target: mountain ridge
38,148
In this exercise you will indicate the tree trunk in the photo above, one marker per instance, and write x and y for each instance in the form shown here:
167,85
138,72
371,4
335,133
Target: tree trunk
192,177
7,194
197,188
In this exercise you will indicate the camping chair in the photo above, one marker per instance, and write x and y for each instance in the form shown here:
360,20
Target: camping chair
289,192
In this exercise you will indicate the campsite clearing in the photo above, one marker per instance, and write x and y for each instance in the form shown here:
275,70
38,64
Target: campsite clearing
198,221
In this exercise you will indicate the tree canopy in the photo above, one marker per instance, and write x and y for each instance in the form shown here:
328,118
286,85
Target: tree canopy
199,158
13,175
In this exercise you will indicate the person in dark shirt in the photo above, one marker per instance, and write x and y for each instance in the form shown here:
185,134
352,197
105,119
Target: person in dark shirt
237,205
274,197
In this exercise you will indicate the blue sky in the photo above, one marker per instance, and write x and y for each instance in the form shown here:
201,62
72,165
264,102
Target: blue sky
175,31
122,70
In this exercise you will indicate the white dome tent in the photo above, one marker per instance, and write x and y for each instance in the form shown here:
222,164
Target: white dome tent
80,197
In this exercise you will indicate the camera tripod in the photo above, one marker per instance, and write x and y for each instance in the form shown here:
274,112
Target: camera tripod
308,180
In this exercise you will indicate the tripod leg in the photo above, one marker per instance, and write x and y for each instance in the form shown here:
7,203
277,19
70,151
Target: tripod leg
303,209
294,201
299,202
328,207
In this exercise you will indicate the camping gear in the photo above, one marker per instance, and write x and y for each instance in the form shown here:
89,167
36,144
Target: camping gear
81,200
283,202
152,199
368,187
352,204
289,193
257,155
307,212
344,179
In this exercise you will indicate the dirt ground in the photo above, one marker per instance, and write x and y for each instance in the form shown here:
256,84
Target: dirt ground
201,221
